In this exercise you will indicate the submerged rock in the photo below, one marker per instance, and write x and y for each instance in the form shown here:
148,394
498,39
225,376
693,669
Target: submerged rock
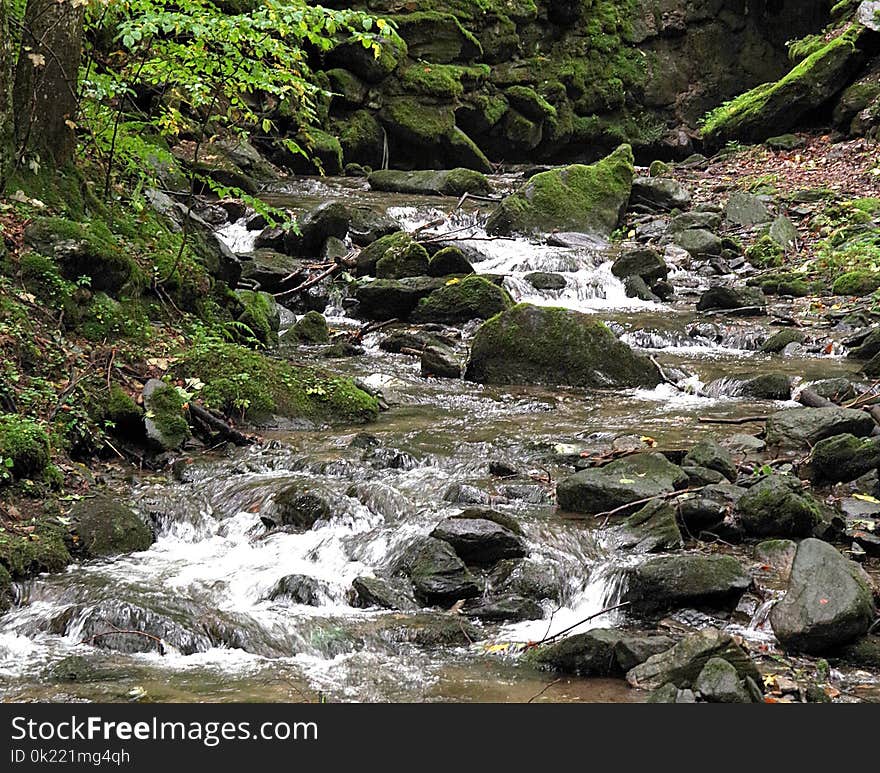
828,602
619,483
591,199
543,345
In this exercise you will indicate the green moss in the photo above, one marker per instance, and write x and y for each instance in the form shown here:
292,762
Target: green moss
403,260
41,277
437,37
105,319
347,85
42,550
860,282
260,315
361,137
765,253
418,123
784,283
311,329
460,300
531,104
165,408
122,412
239,382
659,169
445,81
24,445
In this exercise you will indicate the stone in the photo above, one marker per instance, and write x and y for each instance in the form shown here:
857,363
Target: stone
682,664
843,458
448,261
768,386
828,602
383,593
719,682
778,506
389,298
164,420
636,287
444,182
699,243
300,589
707,453
732,298
783,232
653,529
461,300
104,526
440,361
778,341
543,345
299,507
645,263
544,280
599,652
480,541
746,209
659,194
591,199
619,483
438,575
804,427
311,329
504,609
708,509
673,582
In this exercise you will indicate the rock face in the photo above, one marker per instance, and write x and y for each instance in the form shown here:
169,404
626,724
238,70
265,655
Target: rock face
591,199
828,602
673,582
778,506
804,427
682,664
542,345
627,480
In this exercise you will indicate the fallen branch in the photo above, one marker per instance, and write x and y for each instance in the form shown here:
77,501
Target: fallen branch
741,420
667,495
218,426
119,632
813,399
587,619
311,282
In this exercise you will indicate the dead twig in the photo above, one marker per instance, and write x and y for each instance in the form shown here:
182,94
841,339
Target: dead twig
667,495
120,632
546,687
741,420
311,282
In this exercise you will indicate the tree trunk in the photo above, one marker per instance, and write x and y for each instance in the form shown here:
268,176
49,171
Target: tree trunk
7,121
45,92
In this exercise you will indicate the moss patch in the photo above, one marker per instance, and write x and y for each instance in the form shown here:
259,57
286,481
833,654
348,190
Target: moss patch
473,297
861,282
24,446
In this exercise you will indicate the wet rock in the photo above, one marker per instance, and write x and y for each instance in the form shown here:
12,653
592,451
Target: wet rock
448,261
268,269
299,507
707,453
412,339
746,209
104,526
390,459
837,390
164,420
659,194
384,593
300,589
458,301
828,602
669,693
701,476
599,652
502,519
310,329
527,578
706,510
747,445
645,263
804,427
636,287
677,581
699,243
366,226
778,506
426,630
389,299
465,494
440,361
719,682
709,221
591,199
543,280
524,492
778,341
619,483
480,541
843,458
438,575
682,664
768,386
506,609
652,529
445,182
732,298
540,345
315,227
778,555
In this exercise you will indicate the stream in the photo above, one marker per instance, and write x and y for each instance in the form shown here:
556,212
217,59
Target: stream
209,576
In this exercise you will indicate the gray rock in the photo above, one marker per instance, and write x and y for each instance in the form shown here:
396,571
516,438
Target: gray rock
746,209
300,507
444,182
438,575
783,232
659,194
440,361
719,682
479,541
843,458
732,298
706,510
543,280
804,427
504,609
301,589
384,593
710,221
778,506
707,453
652,529
104,526
828,602
599,652
644,262
699,243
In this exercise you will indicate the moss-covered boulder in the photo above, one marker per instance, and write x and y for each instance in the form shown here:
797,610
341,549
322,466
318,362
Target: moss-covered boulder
24,447
777,107
361,137
261,315
804,427
391,298
416,122
778,341
404,259
43,549
445,182
165,420
437,37
310,329
449,261
778,506
460,300
843,458
364,62
707,453
102,526
589,199
862,282
399,242
244,383
542,345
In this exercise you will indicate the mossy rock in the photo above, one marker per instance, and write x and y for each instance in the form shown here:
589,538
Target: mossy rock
417,123
244,383
325,154
165,422
529,103
765,253
390,298
311,329
778,506
361,137
448,261
370,256
42,550
364,63
859,283
444,81
405,260
783,283
778,341
103,526
126,416
843,458
24,446
105,318
85,250
437,37
349,88
590,199
446,182
541,345
261,315
460,300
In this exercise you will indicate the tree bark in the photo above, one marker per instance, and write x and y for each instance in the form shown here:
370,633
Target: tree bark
7,121
45,91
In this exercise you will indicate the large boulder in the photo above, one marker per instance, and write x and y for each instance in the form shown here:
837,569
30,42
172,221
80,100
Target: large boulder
652,529
599,652
479,540
778,506
443,182
682,664
438,575
391,298
843,458
828,602
590,199
619,483
804,427
672,582
461,300
104,526
659,194
543,345
732,298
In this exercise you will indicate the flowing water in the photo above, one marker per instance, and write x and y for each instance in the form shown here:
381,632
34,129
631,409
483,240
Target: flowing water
206,583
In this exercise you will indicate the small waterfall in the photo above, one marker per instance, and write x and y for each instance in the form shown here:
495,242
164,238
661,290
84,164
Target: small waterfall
238,237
